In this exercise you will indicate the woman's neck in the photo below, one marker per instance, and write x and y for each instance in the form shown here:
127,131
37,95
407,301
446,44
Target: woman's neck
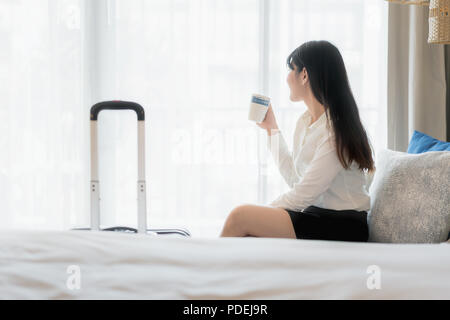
314,107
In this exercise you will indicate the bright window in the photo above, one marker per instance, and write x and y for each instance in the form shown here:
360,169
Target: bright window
193,66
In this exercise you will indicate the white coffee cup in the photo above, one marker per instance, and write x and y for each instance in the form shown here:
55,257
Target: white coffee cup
259,105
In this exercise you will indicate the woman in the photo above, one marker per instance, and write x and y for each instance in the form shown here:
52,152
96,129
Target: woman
331,157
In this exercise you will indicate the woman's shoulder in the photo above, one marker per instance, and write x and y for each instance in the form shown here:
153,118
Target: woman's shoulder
327,136
301,121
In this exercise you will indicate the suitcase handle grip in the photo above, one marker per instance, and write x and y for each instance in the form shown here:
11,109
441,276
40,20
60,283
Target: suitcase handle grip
117,105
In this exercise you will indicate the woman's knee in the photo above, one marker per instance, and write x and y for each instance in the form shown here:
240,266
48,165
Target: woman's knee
240,212
235,218
239,209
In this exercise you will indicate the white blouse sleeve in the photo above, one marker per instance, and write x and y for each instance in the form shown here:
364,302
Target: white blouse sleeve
282,157
318,177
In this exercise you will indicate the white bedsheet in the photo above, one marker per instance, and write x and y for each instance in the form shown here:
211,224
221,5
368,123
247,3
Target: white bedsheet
33,265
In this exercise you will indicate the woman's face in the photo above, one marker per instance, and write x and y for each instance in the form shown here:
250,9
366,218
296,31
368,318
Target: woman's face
297,84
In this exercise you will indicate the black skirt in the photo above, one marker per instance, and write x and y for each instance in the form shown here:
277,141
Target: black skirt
326,224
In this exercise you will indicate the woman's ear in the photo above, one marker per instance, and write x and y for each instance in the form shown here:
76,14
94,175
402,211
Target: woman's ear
304,76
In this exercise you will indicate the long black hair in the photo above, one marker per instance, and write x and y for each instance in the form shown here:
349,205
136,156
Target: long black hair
330,86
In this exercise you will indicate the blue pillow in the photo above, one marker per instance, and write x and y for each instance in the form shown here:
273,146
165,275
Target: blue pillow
421,142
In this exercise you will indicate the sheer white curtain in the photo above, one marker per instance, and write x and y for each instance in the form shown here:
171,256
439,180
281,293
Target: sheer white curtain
43,129
193,66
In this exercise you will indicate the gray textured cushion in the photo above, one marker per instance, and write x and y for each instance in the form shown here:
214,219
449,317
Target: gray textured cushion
410,197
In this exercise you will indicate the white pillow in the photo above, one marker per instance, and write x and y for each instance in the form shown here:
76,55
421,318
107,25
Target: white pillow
410,197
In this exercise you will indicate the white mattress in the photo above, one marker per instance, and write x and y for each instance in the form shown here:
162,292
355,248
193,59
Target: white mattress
33,265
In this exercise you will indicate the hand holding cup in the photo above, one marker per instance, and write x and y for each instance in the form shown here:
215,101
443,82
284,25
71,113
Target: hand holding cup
269,122
261,112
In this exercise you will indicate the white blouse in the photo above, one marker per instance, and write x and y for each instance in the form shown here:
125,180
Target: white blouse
313,170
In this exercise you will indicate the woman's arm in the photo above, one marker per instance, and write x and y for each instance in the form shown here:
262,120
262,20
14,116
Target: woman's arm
278,147
282,157
317,179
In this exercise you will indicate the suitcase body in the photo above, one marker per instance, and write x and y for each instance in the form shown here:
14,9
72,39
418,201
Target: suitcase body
141,181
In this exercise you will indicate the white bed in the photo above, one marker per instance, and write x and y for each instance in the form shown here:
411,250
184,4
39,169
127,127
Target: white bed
34,264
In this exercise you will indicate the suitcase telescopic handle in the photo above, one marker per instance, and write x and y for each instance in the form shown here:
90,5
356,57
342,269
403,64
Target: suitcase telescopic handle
117,105
141,184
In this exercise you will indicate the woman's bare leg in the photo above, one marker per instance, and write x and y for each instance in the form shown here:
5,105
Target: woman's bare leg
258,221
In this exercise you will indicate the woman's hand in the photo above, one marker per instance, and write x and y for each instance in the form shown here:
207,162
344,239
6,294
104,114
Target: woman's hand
269,123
